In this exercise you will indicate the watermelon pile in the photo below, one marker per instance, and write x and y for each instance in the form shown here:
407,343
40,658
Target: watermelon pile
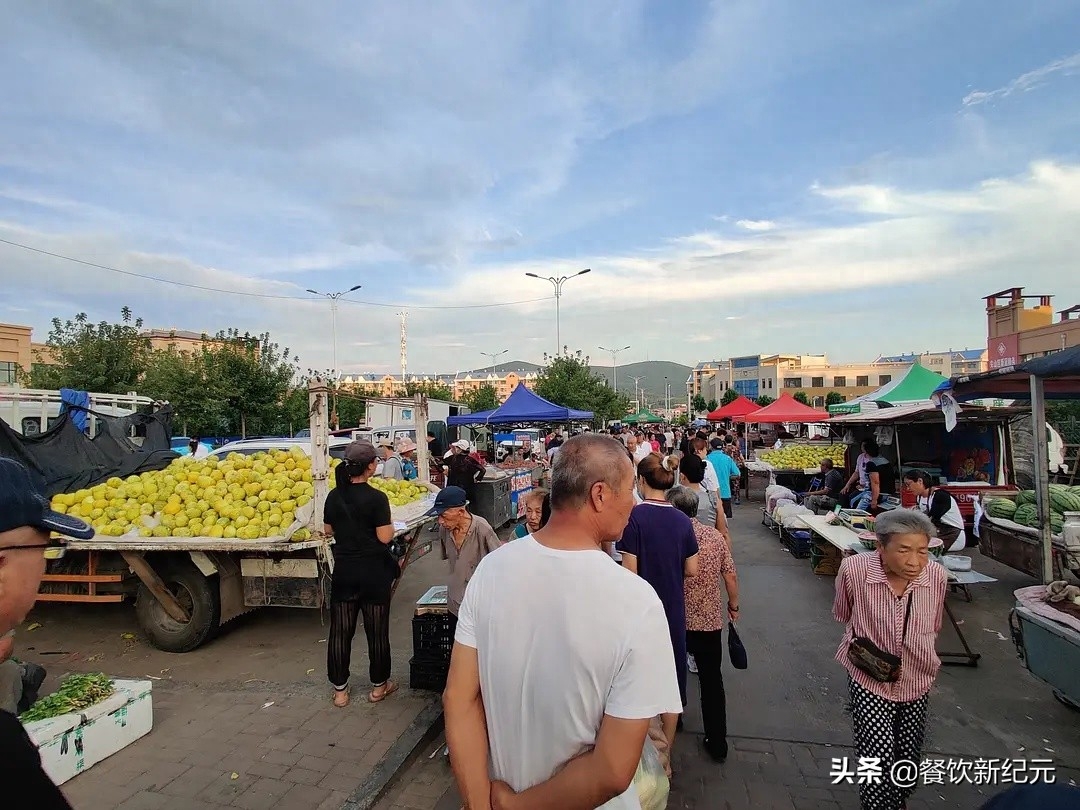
1024,511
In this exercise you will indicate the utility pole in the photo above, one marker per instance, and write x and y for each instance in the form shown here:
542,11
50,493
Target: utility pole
333,297
404,315
667,398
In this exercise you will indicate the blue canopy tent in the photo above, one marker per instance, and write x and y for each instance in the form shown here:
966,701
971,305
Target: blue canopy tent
522,406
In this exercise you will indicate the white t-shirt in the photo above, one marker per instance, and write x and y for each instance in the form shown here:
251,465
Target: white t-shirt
642,452
563,638
711,482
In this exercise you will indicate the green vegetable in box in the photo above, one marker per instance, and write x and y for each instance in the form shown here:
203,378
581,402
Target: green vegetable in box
1001,508
76,692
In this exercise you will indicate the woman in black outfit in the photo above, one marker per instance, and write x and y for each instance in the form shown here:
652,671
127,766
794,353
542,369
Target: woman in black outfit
357,516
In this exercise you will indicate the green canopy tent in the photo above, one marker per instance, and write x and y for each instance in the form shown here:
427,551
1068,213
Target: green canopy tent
643,417
914,386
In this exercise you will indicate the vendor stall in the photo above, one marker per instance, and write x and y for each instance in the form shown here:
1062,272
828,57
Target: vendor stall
643,417
1045,631
740,406
795,462
973,460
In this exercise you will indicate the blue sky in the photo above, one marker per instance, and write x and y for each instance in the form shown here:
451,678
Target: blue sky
741,176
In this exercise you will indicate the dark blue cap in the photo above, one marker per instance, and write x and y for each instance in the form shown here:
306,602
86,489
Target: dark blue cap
449,498
23,504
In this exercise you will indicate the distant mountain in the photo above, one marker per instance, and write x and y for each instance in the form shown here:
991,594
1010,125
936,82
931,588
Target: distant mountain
652,373
504,368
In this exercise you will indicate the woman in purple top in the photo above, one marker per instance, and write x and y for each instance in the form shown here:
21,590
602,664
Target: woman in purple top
658,545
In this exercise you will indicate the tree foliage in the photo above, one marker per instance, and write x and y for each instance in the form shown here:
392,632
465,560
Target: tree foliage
764,400
834,398
105,357
711,405
433,390
730,395
483,398
567,380
698,403
800,396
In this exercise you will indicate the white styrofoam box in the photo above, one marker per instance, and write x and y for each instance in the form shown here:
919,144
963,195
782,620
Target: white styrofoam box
71,743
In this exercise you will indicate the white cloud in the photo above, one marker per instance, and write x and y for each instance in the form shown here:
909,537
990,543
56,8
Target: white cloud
1066,66
756,224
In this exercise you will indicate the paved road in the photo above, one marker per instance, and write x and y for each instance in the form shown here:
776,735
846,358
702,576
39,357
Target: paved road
786,712
244,721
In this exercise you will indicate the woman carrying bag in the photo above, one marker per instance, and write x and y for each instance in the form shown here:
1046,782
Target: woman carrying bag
891,601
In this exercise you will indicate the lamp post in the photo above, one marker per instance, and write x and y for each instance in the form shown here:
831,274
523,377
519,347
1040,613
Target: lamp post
494,355
614,367
557,282
637,391
667,398
333,314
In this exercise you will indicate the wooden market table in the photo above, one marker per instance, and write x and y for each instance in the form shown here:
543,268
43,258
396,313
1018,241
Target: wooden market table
847,541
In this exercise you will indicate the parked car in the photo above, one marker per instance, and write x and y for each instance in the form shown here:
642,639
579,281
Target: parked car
249,447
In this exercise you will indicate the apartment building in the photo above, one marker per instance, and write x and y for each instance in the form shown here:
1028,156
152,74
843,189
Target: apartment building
1016,332
460,385
947,364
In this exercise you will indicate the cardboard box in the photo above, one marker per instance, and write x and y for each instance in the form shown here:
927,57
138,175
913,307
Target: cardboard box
71,743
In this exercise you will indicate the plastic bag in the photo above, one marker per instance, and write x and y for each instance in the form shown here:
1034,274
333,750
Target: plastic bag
651,780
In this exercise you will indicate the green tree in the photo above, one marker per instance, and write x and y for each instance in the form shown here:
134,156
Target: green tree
800,396
698,403
181,379
567,380
834,398
483,398
711,405
433,390
730,395
105,357
764,400
253,375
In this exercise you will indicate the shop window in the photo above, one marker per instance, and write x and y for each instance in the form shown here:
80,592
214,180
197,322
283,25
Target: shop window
817,382
7,373
839,382
862,380
884,378
793,382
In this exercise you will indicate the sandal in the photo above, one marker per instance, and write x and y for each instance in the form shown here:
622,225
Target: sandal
388,688
341,698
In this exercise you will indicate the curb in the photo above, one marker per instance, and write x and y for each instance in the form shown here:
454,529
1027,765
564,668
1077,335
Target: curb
424,728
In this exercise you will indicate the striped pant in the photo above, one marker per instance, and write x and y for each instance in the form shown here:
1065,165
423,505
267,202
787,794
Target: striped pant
886,732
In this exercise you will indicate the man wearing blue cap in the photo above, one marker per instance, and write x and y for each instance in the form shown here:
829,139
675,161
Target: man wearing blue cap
465,539
26,527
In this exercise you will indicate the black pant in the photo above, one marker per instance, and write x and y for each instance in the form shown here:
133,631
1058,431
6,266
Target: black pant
726,503
707,647
343,618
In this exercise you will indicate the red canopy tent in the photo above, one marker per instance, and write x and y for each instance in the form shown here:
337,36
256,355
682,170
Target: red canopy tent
734,409
785,409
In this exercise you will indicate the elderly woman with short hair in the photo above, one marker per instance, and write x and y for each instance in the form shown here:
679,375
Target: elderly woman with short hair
891,601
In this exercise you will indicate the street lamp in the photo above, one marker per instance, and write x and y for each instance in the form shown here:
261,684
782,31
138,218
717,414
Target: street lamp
494,355
614,368
637,391
667,398
557,283
333,314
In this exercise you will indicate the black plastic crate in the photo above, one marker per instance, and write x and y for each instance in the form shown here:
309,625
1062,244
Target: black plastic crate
798,541
427,673
433,635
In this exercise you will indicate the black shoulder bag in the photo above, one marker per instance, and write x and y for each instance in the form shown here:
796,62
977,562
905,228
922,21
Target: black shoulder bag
880,665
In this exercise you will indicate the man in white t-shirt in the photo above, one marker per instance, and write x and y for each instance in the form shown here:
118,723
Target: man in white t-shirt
561,657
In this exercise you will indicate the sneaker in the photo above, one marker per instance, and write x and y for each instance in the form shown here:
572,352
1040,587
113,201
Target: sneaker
691,665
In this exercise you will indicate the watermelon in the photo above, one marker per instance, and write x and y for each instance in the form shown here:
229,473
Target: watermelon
1001,508
1025,496
1026,514
1063,500
1057,522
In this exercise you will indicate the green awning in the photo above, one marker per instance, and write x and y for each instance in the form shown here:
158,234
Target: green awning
915,385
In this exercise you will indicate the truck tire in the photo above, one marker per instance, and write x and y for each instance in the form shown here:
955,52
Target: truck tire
197,593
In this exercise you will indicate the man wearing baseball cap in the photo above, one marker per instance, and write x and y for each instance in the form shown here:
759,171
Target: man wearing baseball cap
465,539
26,526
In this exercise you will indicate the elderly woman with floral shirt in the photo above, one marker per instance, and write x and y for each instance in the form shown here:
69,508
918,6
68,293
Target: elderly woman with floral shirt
705,619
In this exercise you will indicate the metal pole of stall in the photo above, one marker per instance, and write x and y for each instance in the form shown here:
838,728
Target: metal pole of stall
1042,476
